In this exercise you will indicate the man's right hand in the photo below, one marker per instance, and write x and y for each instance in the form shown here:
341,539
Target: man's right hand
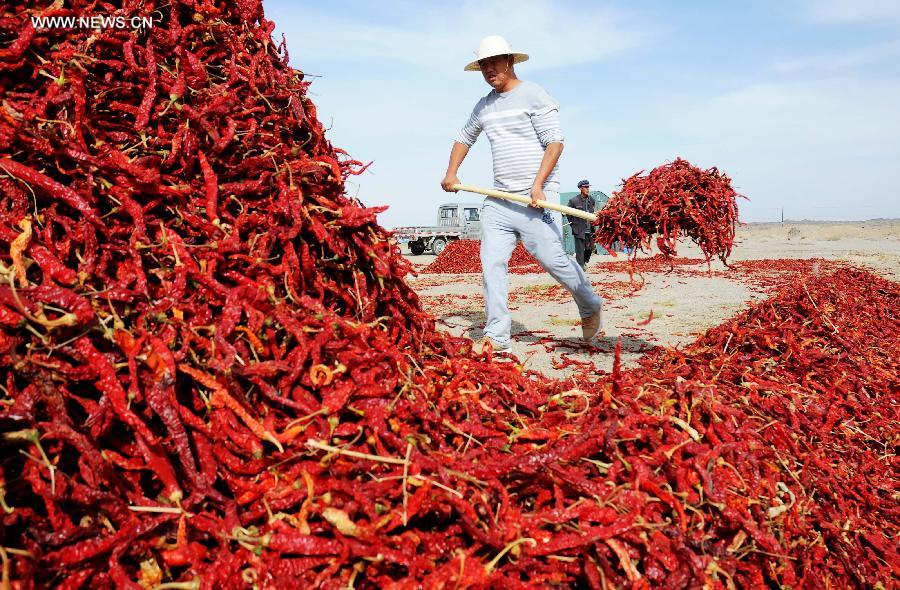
448,182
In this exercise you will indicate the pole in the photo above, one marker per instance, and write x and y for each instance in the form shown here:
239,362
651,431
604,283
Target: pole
523,199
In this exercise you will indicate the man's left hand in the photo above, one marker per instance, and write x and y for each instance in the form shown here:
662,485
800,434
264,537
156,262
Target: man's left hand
537,194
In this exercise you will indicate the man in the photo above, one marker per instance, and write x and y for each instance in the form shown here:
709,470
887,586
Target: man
521,122
582,230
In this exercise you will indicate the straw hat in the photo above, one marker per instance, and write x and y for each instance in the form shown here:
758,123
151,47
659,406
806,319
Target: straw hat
491,46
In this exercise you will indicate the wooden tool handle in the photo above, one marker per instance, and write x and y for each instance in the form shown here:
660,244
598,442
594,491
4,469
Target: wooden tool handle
523,199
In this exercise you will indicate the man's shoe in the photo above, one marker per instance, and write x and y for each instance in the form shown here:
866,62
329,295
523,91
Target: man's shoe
591,325
486,344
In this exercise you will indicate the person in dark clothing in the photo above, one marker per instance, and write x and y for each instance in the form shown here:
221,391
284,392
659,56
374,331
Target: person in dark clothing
582,230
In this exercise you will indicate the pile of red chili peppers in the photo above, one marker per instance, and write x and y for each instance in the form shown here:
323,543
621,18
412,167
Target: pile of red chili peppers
765,274
672,200
462,256
214,376
800,399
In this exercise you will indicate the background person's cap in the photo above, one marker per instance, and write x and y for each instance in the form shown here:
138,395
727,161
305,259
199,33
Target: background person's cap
583,183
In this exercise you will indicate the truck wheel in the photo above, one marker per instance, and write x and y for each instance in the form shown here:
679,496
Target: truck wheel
417,248
438,245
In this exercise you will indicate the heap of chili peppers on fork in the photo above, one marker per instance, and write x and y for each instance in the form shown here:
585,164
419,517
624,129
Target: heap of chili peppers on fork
672,200
213,374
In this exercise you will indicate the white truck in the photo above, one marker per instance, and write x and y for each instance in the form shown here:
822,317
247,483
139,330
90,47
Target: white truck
455,221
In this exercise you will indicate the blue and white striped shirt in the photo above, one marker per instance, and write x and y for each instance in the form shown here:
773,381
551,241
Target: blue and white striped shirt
519,124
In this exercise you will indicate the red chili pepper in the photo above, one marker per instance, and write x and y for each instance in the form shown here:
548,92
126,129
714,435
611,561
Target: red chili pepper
31,176
15,50
108,384
212,187
647,321
52,266
284,542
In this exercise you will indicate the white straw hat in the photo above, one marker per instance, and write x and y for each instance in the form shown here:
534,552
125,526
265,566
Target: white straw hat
491,46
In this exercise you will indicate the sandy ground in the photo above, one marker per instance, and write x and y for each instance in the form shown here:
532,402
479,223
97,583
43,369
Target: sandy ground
686,302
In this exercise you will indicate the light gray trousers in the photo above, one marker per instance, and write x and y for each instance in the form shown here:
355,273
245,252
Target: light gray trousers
503,223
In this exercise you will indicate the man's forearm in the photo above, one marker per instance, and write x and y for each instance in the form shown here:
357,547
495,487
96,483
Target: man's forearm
548,162
457,155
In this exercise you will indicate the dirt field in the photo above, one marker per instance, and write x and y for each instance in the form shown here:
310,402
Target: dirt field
685,302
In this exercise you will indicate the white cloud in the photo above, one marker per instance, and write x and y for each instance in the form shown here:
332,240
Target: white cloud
819,148
394,85
555,35
399,94
822,148
436,35
861,56
842,113
854,11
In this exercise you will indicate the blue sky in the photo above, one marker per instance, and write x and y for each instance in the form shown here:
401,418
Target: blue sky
797,100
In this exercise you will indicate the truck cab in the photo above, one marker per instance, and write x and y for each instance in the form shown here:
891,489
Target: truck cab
455,221
459,215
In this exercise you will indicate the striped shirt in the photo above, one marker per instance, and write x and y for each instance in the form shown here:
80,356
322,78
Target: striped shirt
519,124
